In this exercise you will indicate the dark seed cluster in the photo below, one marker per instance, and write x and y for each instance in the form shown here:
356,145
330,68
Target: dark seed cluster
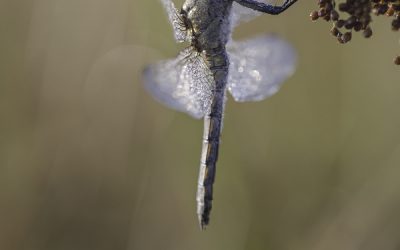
358,17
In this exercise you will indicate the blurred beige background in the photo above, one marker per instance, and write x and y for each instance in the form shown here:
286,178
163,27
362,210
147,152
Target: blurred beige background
88,160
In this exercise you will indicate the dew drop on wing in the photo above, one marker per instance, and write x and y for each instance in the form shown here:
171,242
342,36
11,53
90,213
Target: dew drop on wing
259,66
180,32
241,14
184,83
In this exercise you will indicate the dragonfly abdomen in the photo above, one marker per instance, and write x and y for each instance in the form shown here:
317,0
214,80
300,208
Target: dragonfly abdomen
219,64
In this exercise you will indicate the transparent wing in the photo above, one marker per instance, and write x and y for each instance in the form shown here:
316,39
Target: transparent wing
174,17
258,67
241,14
184,83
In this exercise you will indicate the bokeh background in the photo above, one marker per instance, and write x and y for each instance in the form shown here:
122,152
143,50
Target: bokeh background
88,160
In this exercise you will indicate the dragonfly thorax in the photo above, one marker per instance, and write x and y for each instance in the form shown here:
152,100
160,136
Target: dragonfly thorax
209,26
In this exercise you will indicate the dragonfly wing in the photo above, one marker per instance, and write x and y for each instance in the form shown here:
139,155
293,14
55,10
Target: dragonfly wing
184,84
241,14
175,18
258,67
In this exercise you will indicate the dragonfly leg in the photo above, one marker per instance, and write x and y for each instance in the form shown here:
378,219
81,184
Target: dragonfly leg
266,8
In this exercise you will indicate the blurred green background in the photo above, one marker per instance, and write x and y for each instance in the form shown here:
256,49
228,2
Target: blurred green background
88,160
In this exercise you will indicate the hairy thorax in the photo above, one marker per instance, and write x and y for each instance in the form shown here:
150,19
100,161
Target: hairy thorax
208,21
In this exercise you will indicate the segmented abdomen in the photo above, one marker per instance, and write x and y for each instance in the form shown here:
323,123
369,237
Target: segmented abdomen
219,64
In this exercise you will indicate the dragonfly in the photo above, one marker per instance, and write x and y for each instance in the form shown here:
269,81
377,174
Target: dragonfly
196,81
